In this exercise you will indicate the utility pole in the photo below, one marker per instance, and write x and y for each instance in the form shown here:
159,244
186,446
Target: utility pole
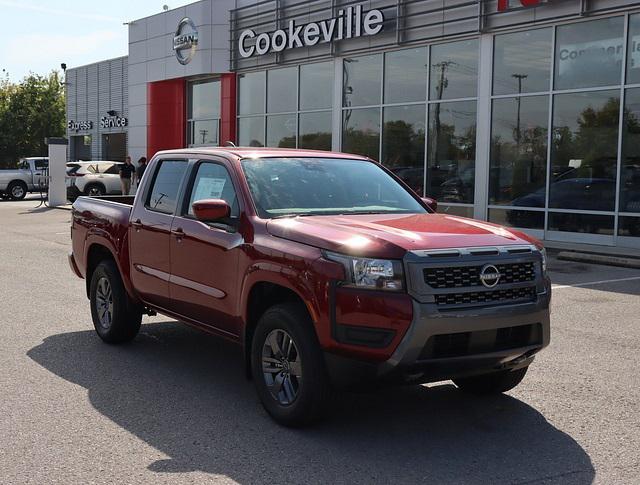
519,77
442,84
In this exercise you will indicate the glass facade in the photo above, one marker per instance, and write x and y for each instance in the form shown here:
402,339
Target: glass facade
558,155
288,107
203,113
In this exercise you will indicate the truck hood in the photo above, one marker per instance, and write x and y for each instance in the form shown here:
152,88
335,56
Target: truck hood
392,235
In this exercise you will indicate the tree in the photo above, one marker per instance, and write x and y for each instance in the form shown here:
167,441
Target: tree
30,110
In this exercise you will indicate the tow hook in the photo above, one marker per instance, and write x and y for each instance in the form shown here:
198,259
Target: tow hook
518,360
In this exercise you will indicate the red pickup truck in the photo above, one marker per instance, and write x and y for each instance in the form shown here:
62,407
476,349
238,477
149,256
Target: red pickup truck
325,268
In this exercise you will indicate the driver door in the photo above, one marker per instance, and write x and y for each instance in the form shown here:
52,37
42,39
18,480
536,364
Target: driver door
204,256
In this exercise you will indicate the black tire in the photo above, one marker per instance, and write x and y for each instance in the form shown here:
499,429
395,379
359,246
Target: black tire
312,388
124,317
17,190
494,383
94,190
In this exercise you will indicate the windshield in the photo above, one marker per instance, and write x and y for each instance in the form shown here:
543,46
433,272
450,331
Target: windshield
285,187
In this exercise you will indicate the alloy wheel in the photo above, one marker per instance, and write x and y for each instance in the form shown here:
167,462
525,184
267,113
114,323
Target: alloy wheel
104,302
281,367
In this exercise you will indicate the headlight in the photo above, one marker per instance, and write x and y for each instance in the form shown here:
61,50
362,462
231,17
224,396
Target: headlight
376,274
543,252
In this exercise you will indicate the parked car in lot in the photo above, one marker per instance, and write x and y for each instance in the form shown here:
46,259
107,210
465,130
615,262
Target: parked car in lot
93,178
324,267
29,176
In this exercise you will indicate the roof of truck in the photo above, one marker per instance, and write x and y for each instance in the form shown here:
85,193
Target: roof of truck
264,152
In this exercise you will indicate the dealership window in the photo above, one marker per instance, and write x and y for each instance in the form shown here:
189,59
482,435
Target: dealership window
518,161
454,70
589,54
203,113
562,177
522,62
286,107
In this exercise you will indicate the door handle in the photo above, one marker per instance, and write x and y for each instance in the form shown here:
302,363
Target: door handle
137,224
179,233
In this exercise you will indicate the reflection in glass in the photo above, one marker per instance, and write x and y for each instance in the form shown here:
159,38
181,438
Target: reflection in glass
403,132
633,50
361,132
452,151
456,210
204,99
629,226
281,90
586,223
405,75
454,70
203,132
314,130
251,92
517,218
281,131
522,62
584,151
251,131
316,85
361,80
589,53
518,164
630,169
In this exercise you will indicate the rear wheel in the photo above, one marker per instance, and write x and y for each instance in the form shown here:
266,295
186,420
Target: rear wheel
17,190
115,317
494,383
94,190
288,366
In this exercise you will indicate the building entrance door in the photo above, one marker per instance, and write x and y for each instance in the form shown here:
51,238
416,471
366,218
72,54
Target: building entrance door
114,147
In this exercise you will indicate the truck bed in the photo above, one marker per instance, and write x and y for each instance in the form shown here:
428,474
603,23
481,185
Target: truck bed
105,217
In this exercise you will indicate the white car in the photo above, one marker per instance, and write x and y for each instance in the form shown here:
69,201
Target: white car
93,178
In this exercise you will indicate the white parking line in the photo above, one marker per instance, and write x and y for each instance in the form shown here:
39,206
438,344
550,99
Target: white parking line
594,283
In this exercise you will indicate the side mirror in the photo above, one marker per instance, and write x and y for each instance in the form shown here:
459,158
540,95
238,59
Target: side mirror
430,203
210,210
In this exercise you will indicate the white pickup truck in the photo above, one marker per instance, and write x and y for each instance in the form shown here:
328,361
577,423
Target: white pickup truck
30,176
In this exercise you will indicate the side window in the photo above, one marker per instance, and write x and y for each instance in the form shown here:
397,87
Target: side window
113,169
41,164
213,182
166,184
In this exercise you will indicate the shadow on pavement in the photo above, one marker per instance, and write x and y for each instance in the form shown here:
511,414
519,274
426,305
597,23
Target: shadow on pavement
184,393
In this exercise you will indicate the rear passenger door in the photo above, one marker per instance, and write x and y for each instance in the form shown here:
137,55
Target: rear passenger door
150,232
204,257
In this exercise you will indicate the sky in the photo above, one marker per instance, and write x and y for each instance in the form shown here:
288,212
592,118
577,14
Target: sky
37,35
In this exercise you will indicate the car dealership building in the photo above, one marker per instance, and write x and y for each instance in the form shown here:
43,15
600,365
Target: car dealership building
520,112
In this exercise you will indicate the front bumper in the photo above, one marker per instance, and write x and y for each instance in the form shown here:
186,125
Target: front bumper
415,361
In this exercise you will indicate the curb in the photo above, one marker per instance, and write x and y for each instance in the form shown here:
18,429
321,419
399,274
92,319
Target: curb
625,262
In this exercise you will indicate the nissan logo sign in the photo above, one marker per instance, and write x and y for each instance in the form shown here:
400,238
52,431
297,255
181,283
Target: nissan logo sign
185,41
489,275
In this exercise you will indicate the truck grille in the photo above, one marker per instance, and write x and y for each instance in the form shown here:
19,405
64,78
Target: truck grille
465,276
480,342
509,295
452,278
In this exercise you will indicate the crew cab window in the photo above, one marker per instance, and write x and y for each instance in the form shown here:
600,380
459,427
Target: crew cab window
166,184
41,164
212,181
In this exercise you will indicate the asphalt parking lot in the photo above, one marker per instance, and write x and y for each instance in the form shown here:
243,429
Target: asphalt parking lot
173,406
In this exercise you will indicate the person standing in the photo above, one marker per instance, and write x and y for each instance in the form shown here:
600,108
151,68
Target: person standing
142,166
126,171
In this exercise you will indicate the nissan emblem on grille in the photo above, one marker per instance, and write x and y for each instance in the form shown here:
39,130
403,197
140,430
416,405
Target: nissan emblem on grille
489,275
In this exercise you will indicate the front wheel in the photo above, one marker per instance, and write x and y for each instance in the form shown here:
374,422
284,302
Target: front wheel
115,317
494,383
288,366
